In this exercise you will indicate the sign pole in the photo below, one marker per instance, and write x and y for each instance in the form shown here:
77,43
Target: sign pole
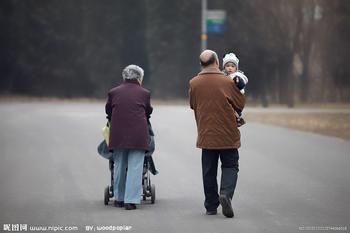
204,36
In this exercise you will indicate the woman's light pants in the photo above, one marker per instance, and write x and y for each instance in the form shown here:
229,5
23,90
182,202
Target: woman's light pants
128,168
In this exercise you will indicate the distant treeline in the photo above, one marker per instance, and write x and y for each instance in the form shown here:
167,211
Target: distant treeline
292,51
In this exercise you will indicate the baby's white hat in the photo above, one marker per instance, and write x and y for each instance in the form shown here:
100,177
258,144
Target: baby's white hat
230,57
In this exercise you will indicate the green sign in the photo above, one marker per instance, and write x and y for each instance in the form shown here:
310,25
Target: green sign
215,21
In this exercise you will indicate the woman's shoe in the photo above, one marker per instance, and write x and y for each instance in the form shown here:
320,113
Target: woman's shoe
119,204
129,206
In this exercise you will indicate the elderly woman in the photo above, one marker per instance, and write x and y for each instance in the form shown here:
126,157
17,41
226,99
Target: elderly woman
128,108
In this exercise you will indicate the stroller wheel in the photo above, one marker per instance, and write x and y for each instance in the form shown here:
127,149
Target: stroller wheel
106,195
111,192
153,193
144,195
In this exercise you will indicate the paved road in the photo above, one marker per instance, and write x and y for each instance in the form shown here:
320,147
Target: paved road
51,175
303,110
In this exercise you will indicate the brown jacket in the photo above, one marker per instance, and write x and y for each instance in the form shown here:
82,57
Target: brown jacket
213,97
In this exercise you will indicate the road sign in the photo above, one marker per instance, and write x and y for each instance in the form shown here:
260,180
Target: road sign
215,21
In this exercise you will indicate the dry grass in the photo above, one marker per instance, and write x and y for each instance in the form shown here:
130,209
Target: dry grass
30,99
331,124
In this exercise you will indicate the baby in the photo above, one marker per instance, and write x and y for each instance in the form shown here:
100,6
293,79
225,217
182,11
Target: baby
230,65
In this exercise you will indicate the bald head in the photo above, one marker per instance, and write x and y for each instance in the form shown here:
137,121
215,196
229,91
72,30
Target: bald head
209,58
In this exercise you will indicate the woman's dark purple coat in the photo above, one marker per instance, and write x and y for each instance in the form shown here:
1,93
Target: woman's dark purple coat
128,108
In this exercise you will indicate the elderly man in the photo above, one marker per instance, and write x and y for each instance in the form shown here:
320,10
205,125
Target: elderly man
214,99
128,108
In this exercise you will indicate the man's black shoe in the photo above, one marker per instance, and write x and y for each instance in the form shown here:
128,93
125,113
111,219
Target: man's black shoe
130,206
211,212
226,206
118,203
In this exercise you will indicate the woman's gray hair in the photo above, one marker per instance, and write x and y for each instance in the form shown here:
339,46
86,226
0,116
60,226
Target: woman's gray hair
133,72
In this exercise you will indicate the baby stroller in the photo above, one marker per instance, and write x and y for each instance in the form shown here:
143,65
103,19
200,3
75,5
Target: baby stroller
149,189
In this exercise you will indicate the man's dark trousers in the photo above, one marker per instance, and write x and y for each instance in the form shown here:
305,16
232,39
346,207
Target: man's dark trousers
229,167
